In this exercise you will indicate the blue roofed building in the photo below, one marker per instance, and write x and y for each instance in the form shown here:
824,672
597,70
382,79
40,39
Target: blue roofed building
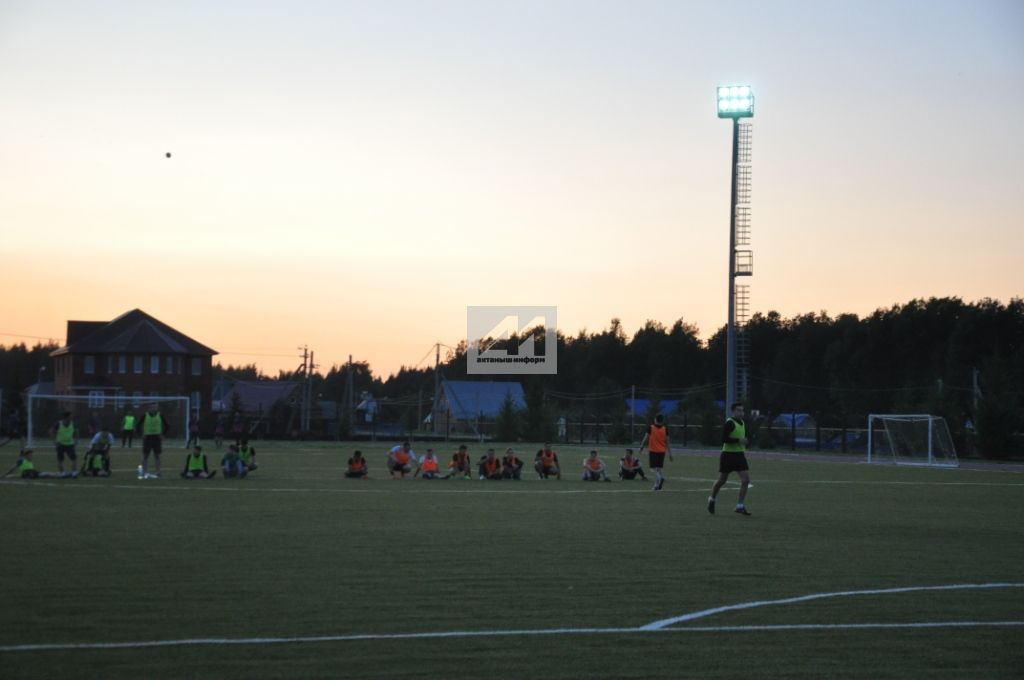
460,405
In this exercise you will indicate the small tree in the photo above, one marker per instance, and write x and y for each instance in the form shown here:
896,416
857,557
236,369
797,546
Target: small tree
507,425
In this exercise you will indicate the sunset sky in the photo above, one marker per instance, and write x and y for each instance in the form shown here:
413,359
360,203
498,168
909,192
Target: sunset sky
351,175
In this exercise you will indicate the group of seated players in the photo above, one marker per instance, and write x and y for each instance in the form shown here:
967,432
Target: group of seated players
402,460
239,461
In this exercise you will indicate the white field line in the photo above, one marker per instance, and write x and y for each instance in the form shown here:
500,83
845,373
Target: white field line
655,627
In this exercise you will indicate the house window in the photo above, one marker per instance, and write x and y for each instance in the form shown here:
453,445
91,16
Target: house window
136,398
89,364
95,398
170,365
122,364
154,364
110,364
137,364
197,366
194,402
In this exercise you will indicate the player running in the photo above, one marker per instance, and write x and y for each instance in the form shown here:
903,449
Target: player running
656,441
733,459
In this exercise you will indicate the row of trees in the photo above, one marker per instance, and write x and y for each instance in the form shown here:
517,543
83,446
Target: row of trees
964,361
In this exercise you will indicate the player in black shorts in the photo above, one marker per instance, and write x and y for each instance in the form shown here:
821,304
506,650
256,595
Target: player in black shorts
733,459
656,441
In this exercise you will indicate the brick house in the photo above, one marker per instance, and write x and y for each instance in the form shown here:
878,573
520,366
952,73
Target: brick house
133,357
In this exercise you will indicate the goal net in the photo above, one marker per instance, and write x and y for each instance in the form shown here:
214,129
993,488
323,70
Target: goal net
911,439
90,413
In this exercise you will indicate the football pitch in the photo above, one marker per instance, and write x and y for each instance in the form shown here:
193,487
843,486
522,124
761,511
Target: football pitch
844,570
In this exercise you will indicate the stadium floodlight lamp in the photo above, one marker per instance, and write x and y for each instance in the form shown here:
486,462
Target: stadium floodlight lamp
735,101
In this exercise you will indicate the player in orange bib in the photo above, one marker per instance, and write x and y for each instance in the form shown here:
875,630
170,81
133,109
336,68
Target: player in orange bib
399,458
546,463
511,466
490,466
460,463
429,467
594,469
630,468
656,442
357,466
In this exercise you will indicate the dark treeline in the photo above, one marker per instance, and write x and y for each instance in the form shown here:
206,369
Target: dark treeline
925,356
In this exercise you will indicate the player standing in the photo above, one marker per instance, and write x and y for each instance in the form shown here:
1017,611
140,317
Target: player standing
733,459
656,441
153,429
65,436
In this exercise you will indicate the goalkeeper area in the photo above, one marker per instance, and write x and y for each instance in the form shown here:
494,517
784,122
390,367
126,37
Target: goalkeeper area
91,413
915,439
844,570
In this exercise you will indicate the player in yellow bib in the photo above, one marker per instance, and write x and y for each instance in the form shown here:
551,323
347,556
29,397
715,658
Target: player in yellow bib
153,429
733,459
65,435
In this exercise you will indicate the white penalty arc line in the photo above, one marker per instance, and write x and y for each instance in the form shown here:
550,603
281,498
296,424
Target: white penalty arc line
662,626
658,625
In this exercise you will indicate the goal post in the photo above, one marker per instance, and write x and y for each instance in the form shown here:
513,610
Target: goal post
910,439
90,413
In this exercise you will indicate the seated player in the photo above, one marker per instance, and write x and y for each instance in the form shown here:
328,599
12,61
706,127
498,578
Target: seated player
247,454
489,466
511,466
398,460
460,463
629,467
232,463
27,469
430,468
357,466
195,465
593,469
97,458
546,463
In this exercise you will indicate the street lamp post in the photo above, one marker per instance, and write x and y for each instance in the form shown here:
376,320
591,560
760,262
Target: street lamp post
735,102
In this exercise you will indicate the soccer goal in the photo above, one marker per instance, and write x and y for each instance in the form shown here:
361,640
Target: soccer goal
92,412
910,439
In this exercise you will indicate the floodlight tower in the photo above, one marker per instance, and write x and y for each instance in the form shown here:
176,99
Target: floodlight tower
737,102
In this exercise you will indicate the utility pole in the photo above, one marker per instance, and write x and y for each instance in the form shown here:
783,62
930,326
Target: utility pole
350,391
437,385
309,394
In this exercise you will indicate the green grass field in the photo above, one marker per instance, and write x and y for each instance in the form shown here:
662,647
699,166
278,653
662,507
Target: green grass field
295,551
